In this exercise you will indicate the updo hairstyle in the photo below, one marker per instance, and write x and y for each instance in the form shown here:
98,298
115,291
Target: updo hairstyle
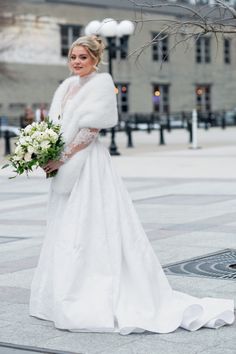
93,44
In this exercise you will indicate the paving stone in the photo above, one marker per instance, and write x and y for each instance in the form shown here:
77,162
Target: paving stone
18,265
152,344
8,239
184,199
14,294
91,343
20,279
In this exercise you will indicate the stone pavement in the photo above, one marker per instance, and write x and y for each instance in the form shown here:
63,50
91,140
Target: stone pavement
186,200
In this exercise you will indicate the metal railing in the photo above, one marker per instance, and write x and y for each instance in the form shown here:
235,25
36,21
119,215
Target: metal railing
129,122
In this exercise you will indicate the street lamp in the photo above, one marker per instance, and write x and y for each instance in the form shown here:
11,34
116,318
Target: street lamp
111,29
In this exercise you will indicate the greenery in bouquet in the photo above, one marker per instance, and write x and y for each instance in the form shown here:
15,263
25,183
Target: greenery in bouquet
36,145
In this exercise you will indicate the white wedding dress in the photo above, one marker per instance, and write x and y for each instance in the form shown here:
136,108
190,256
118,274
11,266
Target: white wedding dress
97,271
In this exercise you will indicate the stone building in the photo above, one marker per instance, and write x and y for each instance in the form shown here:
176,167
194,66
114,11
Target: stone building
36,34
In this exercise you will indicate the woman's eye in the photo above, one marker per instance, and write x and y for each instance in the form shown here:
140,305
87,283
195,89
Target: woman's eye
83,58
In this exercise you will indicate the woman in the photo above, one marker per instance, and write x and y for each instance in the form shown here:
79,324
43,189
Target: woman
97,270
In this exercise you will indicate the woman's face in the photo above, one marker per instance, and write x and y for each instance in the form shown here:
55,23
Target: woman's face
81,62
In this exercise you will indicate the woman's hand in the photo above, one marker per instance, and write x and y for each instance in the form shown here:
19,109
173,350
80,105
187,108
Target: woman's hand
52,165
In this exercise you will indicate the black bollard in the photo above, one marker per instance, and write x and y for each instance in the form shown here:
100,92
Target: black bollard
168,125
162,141
190,130
7,142
206,124
128,129
113,148
223,122
103,132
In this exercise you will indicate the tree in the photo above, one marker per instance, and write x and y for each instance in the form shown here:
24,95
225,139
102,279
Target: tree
189,20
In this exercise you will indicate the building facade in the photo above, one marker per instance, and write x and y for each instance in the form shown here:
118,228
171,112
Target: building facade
36,35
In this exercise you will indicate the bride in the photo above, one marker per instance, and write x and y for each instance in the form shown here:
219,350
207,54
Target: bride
97,271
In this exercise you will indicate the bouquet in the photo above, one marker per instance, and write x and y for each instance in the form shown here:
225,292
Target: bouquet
36,145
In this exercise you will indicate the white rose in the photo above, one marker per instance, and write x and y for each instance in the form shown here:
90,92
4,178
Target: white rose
27,129
28,139
45,136
35,144
30,149
27,157
41,136
22,141
16,158
45,144
53,136
35,135
19,151
43,126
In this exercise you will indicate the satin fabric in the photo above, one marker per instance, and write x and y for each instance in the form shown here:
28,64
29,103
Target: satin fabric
97,271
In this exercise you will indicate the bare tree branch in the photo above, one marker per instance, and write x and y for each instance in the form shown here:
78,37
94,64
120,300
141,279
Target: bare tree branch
224,5
192,23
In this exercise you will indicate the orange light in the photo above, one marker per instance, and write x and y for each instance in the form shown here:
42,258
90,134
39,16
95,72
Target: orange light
116,90
124,89
157,93
199,91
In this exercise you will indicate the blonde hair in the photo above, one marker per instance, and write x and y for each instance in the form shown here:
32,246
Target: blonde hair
93,44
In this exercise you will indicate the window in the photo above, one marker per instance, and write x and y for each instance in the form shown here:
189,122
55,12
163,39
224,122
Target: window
227,50
69,33
124,47
160,98
203,50
160,48
122,91
118,47
203,98
16,106
202,2
39,104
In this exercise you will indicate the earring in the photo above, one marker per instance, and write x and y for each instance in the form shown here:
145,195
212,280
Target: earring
96,68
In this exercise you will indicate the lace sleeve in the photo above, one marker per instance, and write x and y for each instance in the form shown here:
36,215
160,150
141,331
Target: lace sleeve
84,137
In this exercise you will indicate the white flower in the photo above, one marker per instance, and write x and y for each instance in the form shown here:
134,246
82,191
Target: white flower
36,145
45,144
27,157
30,149
42,136
19,151
22,141
45,136
28,129
42,126
52,135
17,158
36,135
25,140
